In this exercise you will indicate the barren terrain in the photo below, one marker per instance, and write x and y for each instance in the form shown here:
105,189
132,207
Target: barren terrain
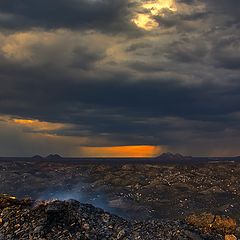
134,191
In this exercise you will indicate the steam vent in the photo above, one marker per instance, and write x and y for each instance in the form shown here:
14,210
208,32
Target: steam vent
28,219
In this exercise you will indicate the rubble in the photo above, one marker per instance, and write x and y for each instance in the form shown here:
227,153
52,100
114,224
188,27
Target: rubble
71,219
139,191
150,199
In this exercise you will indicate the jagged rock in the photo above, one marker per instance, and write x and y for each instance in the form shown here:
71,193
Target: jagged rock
74,220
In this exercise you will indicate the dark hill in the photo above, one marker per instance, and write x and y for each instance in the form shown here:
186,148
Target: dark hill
53,157
37,157
171,157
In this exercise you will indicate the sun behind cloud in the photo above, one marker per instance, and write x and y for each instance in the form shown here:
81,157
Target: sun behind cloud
151,9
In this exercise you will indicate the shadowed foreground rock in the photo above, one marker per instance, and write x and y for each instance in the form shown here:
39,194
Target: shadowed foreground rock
26,219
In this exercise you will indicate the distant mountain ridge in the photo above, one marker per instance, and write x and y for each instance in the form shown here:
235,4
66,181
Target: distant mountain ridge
172,157
49,157
176,157
37,157
53,157
167,157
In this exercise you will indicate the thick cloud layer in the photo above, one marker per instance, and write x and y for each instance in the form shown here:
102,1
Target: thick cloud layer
86,65
73,14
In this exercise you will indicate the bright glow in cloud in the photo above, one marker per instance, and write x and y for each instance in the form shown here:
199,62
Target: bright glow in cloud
122,151
145,21
38,125
18,46
154,8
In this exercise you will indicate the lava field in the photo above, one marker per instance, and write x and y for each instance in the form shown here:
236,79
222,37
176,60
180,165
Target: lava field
143,196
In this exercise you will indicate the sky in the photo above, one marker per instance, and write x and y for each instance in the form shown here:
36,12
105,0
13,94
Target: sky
119,77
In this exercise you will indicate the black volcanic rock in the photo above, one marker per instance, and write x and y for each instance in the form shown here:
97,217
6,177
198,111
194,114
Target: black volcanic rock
73,220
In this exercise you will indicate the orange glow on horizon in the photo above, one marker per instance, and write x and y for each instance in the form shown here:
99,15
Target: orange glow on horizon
122,151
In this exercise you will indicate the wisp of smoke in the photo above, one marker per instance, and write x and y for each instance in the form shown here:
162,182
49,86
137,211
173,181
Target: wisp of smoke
82,193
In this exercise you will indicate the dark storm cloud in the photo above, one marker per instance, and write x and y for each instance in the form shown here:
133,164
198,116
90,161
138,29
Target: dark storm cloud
176,86
180,20
230,7
145,67
187,50
85,59
224,12
226,52
119,107
216,13
64,14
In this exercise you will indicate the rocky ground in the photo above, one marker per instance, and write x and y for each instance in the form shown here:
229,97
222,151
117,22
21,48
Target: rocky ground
131,190
157,196
26,219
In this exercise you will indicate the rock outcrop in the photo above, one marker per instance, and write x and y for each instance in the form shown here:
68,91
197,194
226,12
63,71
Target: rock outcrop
27,219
